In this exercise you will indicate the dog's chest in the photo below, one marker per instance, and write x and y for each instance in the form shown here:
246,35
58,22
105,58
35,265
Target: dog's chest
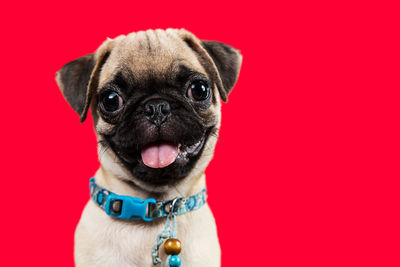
102,241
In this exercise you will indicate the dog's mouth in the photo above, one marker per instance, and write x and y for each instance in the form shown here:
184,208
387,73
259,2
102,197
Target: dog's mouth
161,158
162,154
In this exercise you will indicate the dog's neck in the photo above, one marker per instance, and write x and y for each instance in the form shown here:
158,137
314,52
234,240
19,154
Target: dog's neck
187,187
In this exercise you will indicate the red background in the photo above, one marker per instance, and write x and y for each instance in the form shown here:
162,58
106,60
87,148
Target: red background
306,170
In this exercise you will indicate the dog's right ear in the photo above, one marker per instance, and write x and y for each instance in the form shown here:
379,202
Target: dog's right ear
73,80
78,80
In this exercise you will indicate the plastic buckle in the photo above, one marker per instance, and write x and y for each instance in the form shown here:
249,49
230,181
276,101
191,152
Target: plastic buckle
126,207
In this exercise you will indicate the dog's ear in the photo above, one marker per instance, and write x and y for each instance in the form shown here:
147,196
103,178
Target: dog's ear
220,60
73,79
78,80
228,61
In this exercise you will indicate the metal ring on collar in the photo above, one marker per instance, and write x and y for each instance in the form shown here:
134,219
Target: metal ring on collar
172,206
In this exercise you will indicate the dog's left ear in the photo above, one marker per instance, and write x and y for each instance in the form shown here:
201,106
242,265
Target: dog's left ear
221,61
228,61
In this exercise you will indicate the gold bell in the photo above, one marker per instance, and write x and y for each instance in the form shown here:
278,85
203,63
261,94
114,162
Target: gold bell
172,246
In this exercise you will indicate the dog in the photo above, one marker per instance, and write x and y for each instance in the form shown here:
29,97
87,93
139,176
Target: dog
154,98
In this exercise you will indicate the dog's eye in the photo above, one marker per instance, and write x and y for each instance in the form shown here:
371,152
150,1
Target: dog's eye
198,91
111,101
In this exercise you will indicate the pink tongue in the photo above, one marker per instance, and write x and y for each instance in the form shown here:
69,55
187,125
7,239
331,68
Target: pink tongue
159,156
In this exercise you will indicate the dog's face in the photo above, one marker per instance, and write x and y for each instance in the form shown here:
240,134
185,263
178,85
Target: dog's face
154,98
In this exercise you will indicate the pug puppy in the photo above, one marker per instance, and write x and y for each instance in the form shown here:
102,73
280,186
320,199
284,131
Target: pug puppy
154,98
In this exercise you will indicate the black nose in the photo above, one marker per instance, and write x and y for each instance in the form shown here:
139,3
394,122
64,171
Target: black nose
157,111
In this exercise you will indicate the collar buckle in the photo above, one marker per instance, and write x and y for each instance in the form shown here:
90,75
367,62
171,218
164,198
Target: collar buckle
126,207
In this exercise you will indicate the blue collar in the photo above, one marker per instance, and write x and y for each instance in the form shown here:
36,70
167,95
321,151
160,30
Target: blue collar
126,207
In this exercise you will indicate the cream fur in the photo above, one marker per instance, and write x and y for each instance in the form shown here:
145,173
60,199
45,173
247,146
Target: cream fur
103,241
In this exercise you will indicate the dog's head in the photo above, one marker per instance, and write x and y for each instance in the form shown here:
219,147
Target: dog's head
154,98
